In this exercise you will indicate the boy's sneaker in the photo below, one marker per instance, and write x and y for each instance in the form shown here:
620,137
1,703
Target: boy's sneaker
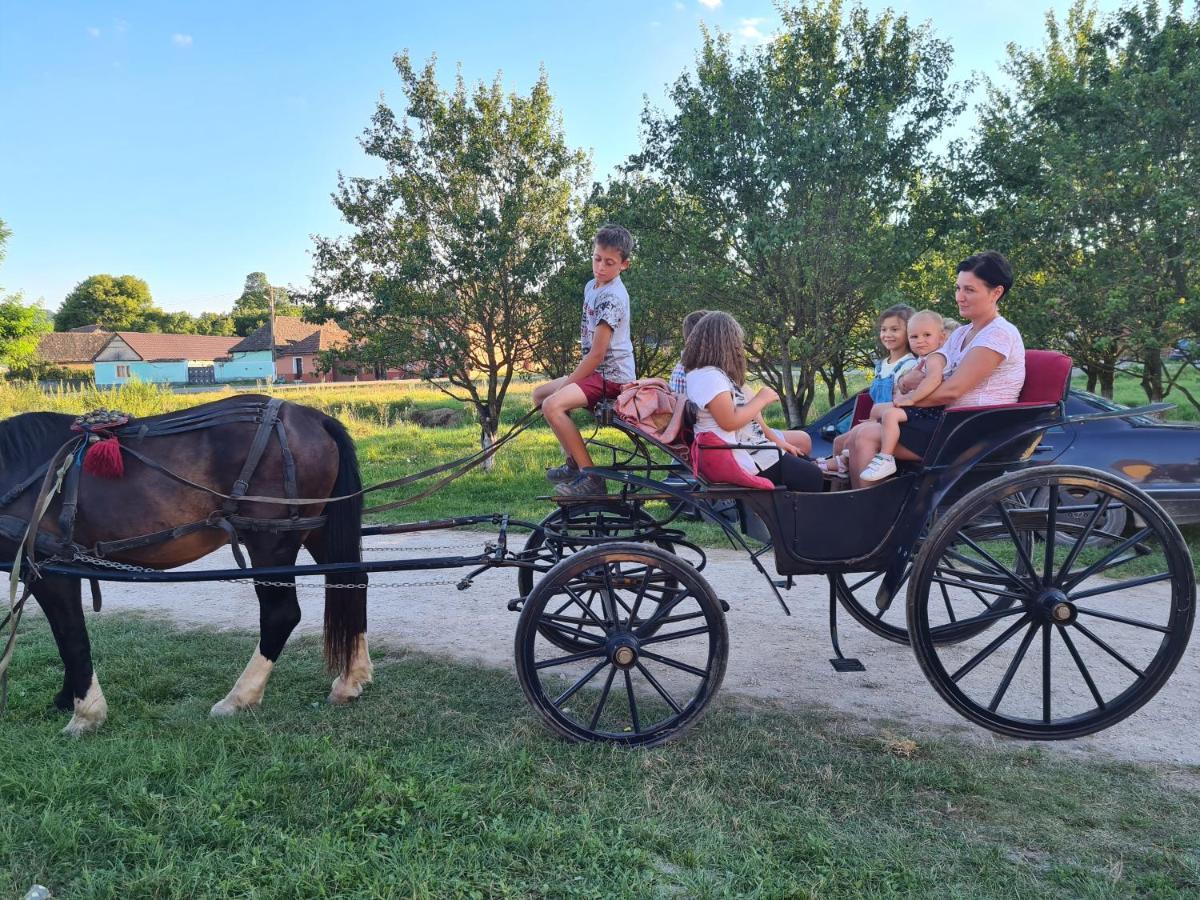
565,472
582,486
880,467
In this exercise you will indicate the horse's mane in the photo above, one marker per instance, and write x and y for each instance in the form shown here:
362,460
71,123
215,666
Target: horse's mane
27,441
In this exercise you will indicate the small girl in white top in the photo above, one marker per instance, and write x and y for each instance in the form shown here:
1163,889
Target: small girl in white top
715,360
926,334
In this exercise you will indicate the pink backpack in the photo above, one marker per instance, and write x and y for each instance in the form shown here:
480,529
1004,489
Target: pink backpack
650,406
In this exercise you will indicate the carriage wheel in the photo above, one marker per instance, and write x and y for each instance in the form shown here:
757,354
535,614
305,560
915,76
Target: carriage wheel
568,530
654,648
1070,635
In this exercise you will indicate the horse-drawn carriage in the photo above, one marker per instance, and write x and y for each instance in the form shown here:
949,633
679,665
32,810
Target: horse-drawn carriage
1028,612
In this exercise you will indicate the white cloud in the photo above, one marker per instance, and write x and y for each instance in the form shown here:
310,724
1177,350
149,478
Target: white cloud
181,40
711,4
679,7
93,31
748,29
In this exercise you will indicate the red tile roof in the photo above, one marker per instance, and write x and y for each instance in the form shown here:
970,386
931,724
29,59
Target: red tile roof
62,347
158,347
294,335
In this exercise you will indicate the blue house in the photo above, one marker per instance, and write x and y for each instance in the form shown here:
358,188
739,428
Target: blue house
174,359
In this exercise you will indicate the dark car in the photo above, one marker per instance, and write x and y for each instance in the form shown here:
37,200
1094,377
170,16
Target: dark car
1162,458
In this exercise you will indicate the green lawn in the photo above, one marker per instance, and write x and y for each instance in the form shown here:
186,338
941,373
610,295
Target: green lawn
441,782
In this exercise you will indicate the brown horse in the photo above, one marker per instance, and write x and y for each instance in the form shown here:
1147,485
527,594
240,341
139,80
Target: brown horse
159,515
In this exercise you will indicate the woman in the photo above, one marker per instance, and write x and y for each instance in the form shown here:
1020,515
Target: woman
985,362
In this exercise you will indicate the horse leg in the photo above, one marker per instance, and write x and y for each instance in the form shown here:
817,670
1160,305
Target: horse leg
358,670
62,602
278,615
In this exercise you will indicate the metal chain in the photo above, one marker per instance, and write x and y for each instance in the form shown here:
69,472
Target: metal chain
258,582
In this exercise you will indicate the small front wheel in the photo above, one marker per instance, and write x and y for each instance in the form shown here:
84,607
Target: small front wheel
653,645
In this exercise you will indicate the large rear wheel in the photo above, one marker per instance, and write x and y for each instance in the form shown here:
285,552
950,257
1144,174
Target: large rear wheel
1071,628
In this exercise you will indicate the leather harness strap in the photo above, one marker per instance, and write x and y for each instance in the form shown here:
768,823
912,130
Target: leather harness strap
259,444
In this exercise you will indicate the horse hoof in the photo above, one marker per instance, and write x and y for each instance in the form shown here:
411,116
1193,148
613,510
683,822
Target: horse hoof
80,725
223,709
343,693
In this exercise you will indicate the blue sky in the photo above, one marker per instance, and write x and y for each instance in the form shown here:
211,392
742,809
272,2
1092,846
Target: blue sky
192,143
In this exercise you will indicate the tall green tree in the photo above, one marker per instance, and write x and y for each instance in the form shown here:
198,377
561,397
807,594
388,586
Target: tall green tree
21,324
253,307
116,303
1088,167
806,158
451,249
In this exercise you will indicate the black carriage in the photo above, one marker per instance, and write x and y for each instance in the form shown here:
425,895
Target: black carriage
1041,602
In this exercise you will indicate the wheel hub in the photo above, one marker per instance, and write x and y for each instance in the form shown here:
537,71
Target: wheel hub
623,651
1056,608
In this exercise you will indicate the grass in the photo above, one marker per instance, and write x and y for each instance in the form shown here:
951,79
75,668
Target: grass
441,782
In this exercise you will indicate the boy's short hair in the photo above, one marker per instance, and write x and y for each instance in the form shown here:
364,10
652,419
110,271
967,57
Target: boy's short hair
949,324
690,320
615,237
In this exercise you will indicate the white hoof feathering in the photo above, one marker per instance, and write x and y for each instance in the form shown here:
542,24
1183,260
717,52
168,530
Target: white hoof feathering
248,691
90,712
349,685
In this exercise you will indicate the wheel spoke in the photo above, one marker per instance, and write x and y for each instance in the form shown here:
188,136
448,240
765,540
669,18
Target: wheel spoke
946,601
947,631
665,606
633,710
1102,564
608,599
584,606
1013,665
1112,617
854,587
641,595
1006,518
570,692
996,567
976,588
1046,657
1122,586
1083,670
1082,540
570,634
1051,540
612,673
566,660
987,651
676,664
662,692
1109,650
674,635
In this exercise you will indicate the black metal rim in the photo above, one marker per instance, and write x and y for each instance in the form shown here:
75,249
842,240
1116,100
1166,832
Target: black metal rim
628,691
1053,605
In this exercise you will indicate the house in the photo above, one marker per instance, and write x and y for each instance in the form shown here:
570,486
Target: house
72,350
162,358
297,344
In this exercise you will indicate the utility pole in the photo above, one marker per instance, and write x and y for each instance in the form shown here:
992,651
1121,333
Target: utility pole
271,306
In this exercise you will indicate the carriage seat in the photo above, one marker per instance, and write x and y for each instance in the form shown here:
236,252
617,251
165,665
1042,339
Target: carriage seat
1047,378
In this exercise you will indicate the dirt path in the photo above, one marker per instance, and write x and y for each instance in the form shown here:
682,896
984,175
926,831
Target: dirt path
772,656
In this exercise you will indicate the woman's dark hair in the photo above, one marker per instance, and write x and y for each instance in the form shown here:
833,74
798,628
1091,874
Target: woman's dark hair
990,267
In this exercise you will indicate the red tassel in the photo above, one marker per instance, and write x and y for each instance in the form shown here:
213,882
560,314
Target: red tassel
103,459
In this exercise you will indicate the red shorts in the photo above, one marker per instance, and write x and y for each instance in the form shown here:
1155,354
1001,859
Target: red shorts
596,388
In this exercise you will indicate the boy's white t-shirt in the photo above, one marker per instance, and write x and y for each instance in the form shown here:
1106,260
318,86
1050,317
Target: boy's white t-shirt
1004,384
610,304
704,384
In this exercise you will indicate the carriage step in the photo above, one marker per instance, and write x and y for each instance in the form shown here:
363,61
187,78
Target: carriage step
847,664
724,604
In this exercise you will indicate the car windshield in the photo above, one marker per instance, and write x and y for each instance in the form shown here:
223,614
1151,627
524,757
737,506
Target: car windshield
1103,403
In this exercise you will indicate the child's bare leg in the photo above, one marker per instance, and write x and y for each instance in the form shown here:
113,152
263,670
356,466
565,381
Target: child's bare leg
802,441
542,391
878,410
891,429
557,410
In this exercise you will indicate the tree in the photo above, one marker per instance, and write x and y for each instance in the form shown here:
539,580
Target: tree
252,309
116,303
452,248
217,324
1089,168
21,325
806,159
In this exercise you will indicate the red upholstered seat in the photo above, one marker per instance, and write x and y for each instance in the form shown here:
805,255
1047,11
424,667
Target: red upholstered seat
1047,377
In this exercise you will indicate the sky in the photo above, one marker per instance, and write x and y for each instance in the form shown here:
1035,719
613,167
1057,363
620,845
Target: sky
191,143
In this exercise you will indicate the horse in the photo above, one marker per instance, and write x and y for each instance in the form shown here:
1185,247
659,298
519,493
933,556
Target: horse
192,481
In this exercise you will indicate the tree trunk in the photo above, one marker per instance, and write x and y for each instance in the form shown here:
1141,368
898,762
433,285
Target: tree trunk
791,410
1152,374
1106,382
487,436
1091,379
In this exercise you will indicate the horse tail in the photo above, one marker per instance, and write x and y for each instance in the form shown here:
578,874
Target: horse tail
346,608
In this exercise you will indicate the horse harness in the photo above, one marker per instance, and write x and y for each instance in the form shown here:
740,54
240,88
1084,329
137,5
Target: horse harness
131,433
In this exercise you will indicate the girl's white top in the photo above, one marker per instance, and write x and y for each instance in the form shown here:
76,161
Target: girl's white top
702,386
1004,383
